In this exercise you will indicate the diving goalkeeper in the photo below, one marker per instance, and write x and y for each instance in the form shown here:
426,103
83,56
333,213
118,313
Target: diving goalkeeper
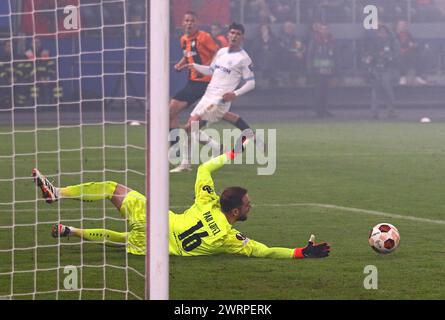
205,228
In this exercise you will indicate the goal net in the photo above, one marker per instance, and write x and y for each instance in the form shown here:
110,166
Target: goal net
72,87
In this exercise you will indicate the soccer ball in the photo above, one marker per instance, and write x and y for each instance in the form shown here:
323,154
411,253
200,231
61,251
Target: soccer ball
384,238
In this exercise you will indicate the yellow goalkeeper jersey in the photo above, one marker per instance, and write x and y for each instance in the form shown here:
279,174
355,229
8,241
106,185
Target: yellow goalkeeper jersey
203,229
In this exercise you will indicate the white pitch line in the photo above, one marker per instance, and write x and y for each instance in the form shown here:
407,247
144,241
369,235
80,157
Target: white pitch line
355,210
283,205
349,209
2,211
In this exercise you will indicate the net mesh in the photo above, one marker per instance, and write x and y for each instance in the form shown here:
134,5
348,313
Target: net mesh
72,79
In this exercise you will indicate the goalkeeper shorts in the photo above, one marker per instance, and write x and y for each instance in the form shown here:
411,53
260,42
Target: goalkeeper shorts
133,208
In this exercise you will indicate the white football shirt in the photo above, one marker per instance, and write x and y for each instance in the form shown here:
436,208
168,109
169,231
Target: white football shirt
229,68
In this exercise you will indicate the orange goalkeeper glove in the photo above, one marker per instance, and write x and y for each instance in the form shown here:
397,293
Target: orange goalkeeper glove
319,250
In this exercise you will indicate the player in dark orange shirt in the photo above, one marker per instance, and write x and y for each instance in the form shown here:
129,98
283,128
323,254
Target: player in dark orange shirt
217,34
198,47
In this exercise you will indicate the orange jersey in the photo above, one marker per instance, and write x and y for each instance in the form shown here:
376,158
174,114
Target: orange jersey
222,41
199,48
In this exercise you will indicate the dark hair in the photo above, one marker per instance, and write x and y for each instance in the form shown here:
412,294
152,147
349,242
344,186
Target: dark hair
192,13
232,198
237,26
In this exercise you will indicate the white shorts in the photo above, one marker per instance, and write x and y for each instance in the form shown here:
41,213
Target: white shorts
211,109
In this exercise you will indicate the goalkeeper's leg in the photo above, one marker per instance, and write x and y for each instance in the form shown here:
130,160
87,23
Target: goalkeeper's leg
91,191
110,237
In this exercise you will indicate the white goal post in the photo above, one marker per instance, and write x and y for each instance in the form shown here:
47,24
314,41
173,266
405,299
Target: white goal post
157,152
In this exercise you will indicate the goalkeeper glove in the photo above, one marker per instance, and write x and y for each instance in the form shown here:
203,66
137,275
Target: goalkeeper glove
319,250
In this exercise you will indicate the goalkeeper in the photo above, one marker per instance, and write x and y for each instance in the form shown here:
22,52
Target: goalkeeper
205,228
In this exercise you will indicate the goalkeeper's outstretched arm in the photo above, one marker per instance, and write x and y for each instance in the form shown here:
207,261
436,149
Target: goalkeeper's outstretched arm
240,244
312,250
204,186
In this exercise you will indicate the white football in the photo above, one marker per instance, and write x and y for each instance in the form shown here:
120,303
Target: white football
384,238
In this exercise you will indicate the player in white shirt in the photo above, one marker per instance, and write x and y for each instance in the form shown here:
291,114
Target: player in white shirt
229,68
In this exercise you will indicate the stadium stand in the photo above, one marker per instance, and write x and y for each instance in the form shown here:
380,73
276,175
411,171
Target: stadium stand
344,17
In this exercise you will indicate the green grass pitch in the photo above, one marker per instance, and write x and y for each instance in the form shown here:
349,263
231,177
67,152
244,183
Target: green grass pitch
395,171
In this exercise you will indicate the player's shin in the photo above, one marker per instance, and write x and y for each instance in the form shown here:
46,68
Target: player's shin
241,124
91,191
110,237
186,151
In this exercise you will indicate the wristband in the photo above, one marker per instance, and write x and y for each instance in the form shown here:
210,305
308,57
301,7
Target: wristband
298,253
230,154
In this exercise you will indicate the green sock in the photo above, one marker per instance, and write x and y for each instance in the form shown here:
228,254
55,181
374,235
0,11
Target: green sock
100,235
89,191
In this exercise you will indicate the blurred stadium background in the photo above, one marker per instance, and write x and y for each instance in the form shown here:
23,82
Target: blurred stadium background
283,79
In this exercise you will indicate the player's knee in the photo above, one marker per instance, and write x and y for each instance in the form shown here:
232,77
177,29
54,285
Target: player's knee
195,121
173,112
119,195
176,107
120,192
231,117
121,189
188,126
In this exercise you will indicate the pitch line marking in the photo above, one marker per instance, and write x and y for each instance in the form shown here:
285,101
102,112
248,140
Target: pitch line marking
349,209
278,205
355,210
